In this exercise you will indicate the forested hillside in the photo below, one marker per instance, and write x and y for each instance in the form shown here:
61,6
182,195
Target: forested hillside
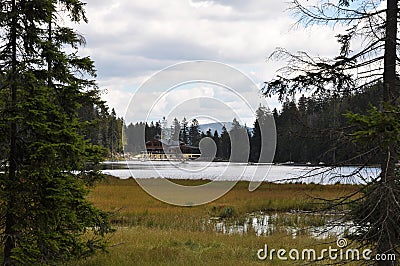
103,127
316,129
308,130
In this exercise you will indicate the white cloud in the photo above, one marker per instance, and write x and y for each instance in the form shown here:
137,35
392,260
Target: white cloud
190,101
131,40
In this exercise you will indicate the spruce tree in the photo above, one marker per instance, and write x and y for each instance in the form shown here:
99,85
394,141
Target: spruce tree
224,148
175,129
194,133
239,143
43,189
184,134
256,136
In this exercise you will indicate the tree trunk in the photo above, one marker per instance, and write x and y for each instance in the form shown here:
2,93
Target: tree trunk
49,59
10,218
387,242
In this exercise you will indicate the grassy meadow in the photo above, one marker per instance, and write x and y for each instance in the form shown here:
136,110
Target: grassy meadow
150,232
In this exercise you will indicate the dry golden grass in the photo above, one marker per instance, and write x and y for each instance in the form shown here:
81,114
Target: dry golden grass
151,232
132,205
145,246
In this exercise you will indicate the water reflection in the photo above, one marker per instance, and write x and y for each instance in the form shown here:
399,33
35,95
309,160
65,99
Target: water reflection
268,224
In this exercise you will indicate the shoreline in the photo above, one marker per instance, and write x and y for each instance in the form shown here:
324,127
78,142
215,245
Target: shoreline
205,181
119,162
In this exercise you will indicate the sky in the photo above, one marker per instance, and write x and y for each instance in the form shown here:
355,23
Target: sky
131,41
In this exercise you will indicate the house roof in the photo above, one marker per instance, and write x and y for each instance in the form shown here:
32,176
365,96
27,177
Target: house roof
169,142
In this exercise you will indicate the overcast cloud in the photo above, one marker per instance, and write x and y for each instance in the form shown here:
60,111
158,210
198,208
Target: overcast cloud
131,40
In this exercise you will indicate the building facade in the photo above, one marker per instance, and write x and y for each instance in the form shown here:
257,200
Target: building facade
161,149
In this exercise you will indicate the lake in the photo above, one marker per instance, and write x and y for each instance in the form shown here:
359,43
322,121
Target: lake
331,225
226,171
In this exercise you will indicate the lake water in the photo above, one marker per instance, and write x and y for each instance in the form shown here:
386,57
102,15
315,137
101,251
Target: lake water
266,224
225,171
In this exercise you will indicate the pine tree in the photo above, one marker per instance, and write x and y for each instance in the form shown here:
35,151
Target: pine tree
114,133
165,132
175,129
184,134
224,149
256,137
208,133
44,210
194,133
216,139
240,148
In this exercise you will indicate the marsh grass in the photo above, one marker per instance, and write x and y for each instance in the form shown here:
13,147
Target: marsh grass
150,232
131,205
149,246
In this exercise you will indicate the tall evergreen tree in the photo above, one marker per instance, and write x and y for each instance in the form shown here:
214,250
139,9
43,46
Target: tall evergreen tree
43,190
194,133
256,137
224,148
216,139
148,133
184,135
165,131
239,142
175,129
114,133
208,133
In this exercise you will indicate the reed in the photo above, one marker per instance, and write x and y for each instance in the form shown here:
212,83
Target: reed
149,246
131,206
150,232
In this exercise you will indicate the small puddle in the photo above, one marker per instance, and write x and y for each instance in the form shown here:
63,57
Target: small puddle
320,226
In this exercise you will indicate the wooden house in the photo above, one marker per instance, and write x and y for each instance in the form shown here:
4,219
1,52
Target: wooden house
161,149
